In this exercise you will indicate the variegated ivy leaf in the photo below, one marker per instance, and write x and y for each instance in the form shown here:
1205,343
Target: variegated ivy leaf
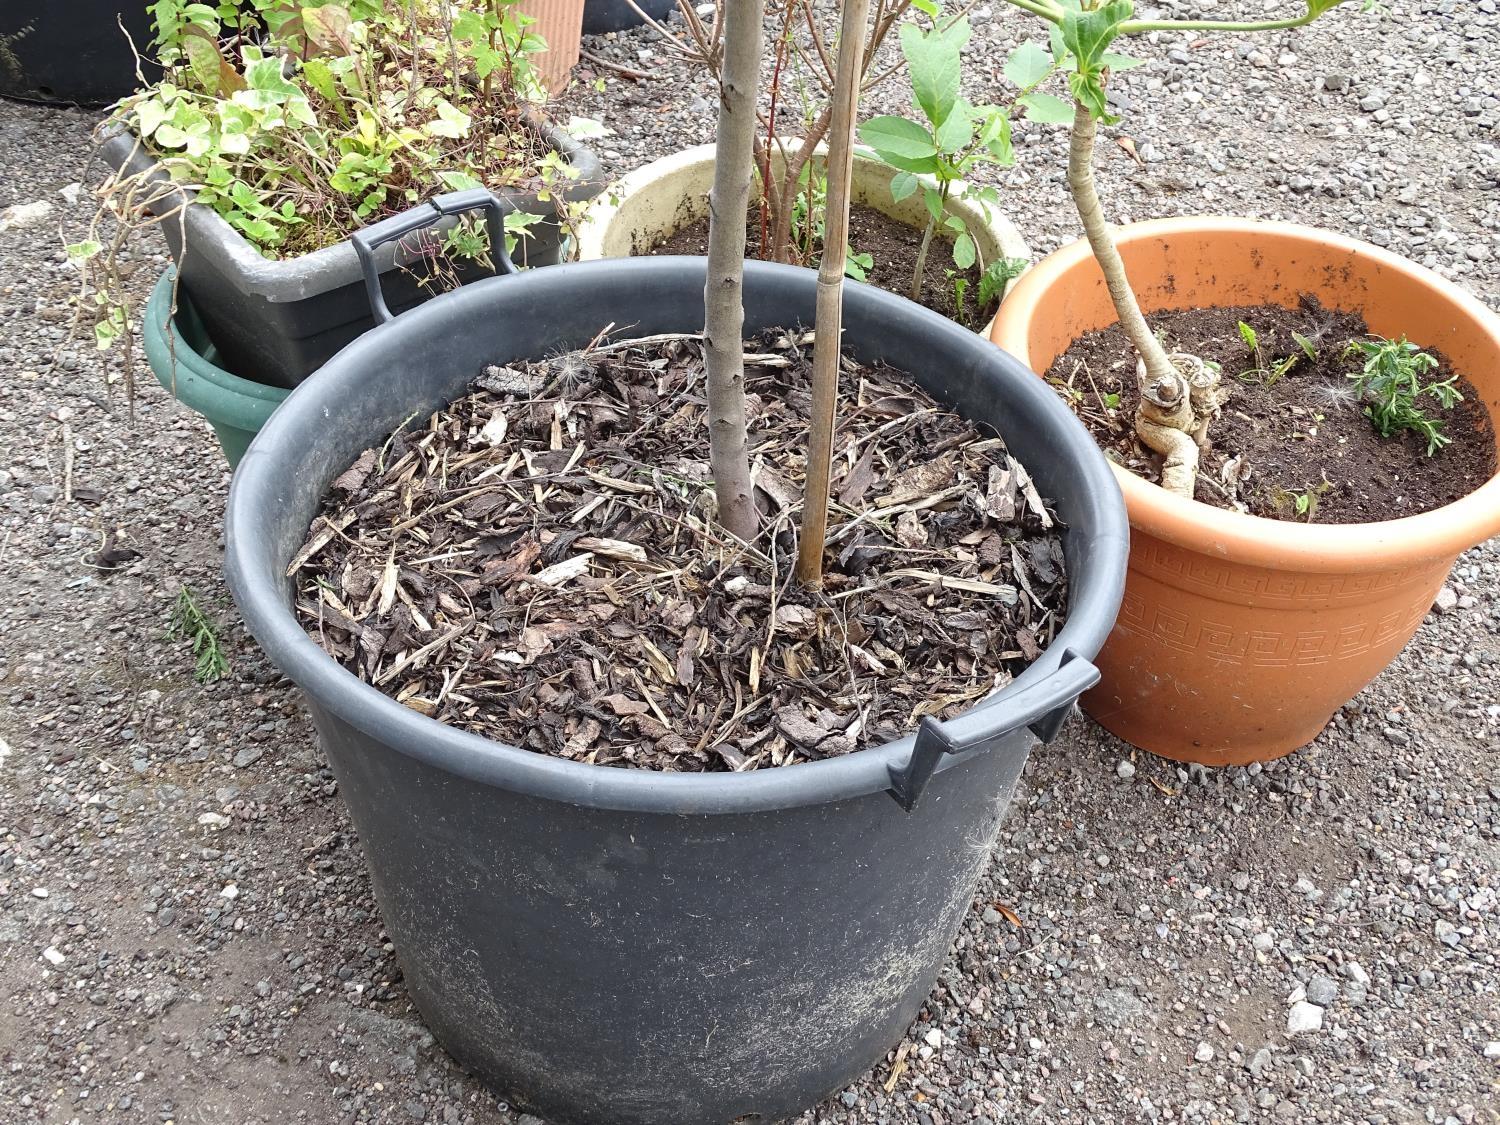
450,121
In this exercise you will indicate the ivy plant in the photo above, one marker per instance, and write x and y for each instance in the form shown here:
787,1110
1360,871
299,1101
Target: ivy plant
299,121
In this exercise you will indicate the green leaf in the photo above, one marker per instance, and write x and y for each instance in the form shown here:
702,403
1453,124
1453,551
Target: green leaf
995,137
902,186
1088,90
932,59
1118,62
1309,349
1047,109
460,181
963,251
263,76
934,201
1248,334
954,134
319,75
900,143
1028,65
857,266
997,275
898,137
520,221
926,7
83,251
1088,34
149,115
451,121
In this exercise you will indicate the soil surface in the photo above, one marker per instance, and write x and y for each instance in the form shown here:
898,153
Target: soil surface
892,245
1290,446
1167,918
540,569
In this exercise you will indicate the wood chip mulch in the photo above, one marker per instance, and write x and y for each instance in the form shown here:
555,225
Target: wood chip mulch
537,563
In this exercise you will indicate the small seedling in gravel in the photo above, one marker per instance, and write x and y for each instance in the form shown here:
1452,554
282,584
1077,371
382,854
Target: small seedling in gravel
190,623
1391,382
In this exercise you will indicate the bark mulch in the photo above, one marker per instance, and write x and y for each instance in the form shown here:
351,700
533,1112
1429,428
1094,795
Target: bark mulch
538,563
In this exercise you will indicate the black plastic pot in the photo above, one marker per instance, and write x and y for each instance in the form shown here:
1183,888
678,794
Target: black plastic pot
620,947
276,322
600,16
72,51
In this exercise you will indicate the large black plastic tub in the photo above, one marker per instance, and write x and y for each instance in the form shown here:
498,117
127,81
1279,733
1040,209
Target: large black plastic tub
619,947
73,51
276,322
600,16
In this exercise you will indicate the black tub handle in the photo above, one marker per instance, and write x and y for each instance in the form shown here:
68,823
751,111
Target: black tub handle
424,215
1042,707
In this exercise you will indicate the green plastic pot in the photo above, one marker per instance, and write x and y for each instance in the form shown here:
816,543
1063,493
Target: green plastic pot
183,360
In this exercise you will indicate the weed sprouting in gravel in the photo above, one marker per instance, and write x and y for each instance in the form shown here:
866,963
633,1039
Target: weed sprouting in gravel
190,623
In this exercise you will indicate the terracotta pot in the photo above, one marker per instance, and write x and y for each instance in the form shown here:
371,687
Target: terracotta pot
560,23
656,201
1240,637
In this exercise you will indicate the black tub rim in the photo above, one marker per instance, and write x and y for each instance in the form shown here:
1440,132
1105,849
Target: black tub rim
255,579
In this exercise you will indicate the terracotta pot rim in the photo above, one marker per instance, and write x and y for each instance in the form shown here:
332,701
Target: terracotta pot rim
1444,531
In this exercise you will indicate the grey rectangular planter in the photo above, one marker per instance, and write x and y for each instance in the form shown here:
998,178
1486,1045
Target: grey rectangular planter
276,322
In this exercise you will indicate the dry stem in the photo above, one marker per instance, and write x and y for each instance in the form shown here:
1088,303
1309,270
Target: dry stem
723,295
825,376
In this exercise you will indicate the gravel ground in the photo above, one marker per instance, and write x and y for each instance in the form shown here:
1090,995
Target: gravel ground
187,933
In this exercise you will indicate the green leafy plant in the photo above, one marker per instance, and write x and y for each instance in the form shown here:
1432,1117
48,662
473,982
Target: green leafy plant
1081,35
1390,382
1270,372
992,282
955,136
808,210
801,68
298,123
190,623
995,277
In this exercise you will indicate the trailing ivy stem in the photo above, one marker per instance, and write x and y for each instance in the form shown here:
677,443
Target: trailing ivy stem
1106,252
932,222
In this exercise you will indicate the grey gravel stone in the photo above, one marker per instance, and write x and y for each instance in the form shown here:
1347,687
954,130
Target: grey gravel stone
248,756
1322,990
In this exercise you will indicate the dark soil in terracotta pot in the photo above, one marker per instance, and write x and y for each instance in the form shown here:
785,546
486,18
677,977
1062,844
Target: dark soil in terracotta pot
893,247
538,563
1295,445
